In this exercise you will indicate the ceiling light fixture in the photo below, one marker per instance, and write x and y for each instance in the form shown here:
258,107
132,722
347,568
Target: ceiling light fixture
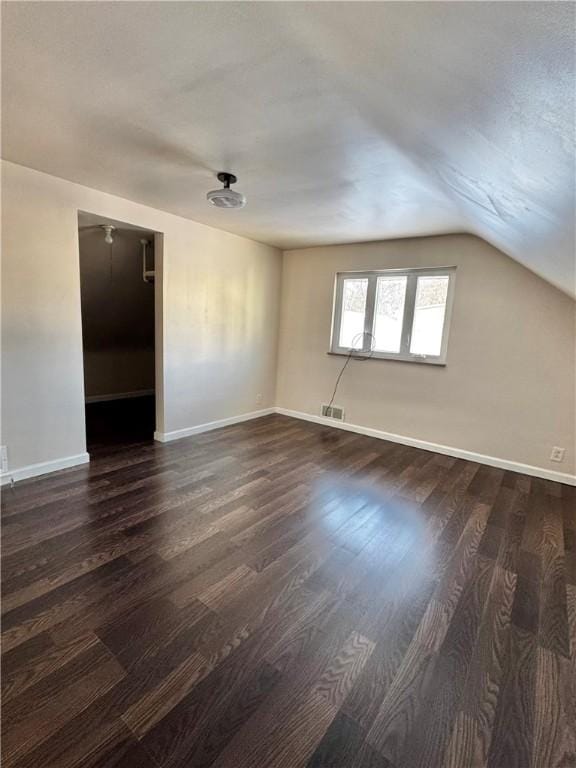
226,198
108,229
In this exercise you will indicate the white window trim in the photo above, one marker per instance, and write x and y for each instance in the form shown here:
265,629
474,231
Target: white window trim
412,276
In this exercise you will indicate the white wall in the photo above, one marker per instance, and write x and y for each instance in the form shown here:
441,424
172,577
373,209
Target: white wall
220,298
508,390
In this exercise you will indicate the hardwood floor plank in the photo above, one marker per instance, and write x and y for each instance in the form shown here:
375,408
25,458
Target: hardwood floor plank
287,730
279,593
28,663
153,706
344,745
472,731
296,628
513,734
128,753
337,679
233,686
554,726
431,733
553,630
395,629
94,738
526,608
39,711
148,629
402,703
62,604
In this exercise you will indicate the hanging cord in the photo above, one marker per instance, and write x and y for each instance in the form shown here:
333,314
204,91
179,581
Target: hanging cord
352,355
348,358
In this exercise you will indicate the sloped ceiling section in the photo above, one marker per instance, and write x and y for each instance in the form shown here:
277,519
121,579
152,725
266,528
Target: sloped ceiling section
344,121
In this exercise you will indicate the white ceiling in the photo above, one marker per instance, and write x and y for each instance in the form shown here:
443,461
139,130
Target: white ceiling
344,121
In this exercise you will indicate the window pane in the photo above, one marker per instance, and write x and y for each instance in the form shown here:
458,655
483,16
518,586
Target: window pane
429,311
389,313
353,311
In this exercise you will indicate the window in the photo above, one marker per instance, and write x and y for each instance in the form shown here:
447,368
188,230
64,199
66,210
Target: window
400,314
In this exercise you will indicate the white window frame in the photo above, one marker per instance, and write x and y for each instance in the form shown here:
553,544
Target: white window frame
412,276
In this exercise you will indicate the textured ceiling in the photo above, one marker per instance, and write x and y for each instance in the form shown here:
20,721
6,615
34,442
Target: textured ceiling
344,121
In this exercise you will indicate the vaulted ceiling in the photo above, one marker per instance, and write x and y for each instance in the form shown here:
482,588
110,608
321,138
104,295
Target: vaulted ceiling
344,121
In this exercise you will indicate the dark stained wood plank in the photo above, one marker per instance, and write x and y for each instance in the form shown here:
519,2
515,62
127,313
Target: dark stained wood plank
473,724
571,604
402,703
344,745
554,724
430,737
62,604
553,632
128,753
39,711
297,627
28,663
95,737
154,705
220,703
282,594
514,528
393,631
337,679
486,484
149,629
288,729
513,733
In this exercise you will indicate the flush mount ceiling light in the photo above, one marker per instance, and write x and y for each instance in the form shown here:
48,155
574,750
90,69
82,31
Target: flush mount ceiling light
226,198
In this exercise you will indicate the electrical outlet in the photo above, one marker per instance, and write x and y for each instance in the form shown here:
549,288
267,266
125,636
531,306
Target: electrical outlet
557,454
259,399
3,458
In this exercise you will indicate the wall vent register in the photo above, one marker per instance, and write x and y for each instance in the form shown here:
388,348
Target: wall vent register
333,412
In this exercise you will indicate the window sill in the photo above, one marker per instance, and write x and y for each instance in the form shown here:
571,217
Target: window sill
394,358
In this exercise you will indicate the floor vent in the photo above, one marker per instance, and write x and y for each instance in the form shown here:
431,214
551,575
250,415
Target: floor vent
333,412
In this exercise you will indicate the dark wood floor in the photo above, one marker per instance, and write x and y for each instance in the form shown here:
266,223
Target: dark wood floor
281,595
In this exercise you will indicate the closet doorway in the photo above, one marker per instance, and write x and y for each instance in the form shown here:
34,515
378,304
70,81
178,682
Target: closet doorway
120,271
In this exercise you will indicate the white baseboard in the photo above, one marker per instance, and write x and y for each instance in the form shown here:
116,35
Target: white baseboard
447,450
178,434
118,396
33,470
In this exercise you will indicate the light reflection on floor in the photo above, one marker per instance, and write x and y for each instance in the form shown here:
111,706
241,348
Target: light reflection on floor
387,532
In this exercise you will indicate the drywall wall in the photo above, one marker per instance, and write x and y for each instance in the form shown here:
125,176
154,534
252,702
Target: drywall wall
508,388
117,312
220,298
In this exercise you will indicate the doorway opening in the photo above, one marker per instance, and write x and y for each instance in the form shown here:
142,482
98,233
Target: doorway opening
119,274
